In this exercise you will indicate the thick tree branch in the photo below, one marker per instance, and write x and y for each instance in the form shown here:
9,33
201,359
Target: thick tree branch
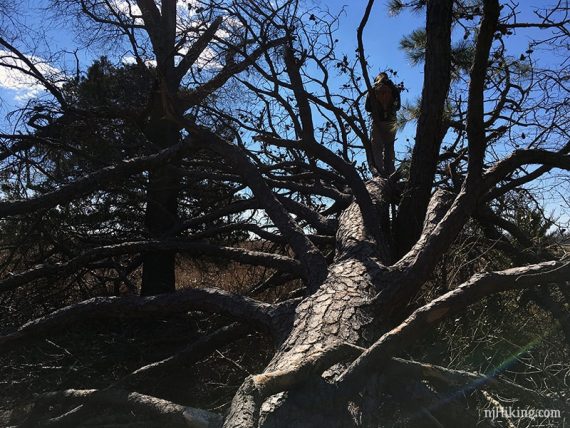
194,248
430,129
151,17
197,95
257,313
169,414
93,181
476,103
422,258
526,157
244,411
449,304
197,48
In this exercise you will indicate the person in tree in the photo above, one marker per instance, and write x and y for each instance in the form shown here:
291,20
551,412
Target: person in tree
382,102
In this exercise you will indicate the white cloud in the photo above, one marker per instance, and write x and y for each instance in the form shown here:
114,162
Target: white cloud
131,9
23,95
185,8
130,60
128,8
14,79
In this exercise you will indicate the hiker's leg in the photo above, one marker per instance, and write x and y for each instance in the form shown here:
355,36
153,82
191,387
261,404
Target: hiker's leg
377,143
387,134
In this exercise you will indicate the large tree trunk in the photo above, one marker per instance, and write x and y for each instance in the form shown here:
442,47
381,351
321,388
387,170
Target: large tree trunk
340,312
161,213
359,301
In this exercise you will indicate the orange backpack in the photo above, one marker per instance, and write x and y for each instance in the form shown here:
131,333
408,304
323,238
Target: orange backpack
384,95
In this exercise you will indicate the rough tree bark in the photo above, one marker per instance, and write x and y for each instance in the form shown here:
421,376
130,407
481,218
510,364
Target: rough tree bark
342,311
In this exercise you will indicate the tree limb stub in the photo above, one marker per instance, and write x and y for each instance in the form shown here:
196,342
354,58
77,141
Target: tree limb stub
246,405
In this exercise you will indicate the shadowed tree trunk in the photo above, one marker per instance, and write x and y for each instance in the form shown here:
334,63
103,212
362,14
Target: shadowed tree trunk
430,129
161,212
163,184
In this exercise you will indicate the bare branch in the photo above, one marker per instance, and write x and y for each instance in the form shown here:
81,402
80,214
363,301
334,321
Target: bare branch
34,72
526,157
476,102
188,356
314,263
197,48
361,56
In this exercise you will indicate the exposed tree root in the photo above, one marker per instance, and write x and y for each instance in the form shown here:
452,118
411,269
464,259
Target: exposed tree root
167,413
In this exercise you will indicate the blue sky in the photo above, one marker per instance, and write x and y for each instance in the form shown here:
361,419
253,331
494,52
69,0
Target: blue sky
381,40
381,37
